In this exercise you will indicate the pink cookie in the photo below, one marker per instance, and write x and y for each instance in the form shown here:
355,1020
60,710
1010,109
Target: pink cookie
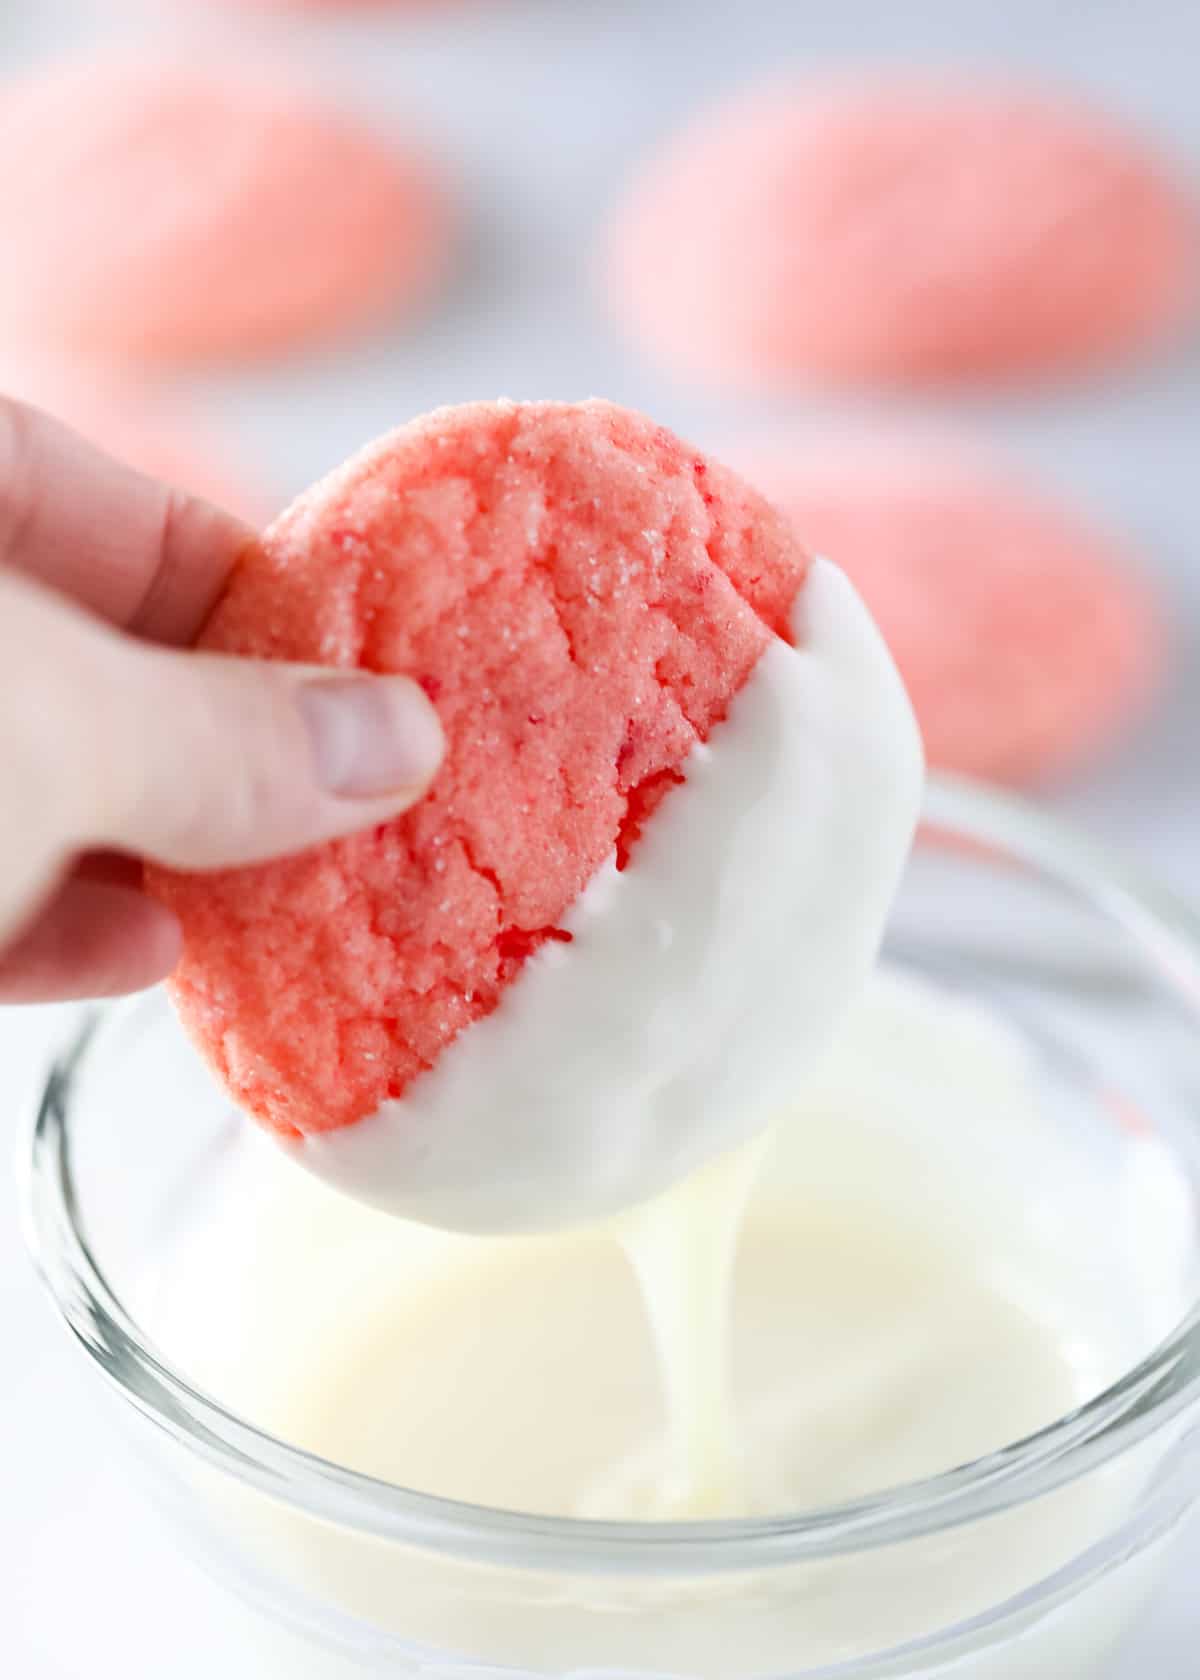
582,596
162,212
1026,642
328,5
134,427
321,5
902,230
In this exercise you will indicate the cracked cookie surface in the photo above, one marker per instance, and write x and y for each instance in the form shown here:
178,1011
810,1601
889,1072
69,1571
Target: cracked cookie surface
581,595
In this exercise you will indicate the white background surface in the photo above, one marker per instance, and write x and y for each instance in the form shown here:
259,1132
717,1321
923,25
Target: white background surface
538,107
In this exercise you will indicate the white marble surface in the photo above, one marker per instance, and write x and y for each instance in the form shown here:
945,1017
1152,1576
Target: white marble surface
538,106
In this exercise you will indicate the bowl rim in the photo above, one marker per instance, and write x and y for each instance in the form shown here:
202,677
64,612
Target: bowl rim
1142,1401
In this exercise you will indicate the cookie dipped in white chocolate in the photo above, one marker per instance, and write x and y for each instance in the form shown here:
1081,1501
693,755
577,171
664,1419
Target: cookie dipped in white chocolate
701,982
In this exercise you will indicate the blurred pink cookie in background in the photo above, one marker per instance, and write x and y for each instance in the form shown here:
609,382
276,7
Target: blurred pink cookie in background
329,5
136,427
323,5
1027,643
317,5
901,230
165,213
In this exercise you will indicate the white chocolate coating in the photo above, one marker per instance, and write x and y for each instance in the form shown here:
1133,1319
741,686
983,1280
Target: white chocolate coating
702,981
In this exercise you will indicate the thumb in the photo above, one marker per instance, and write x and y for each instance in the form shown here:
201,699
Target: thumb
194,760
215,761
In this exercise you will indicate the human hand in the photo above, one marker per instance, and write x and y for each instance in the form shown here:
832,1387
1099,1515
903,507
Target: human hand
115,745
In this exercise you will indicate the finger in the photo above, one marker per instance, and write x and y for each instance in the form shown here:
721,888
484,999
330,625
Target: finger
93,939
192,759
229,761
126,548
48,673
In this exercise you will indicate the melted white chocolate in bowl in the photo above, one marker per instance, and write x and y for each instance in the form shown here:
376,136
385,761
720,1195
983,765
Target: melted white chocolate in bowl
923,1274
902,1299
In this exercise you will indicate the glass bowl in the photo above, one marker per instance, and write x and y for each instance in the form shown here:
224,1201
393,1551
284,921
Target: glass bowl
1025,1565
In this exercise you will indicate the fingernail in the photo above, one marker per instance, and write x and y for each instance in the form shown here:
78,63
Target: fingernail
371,735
